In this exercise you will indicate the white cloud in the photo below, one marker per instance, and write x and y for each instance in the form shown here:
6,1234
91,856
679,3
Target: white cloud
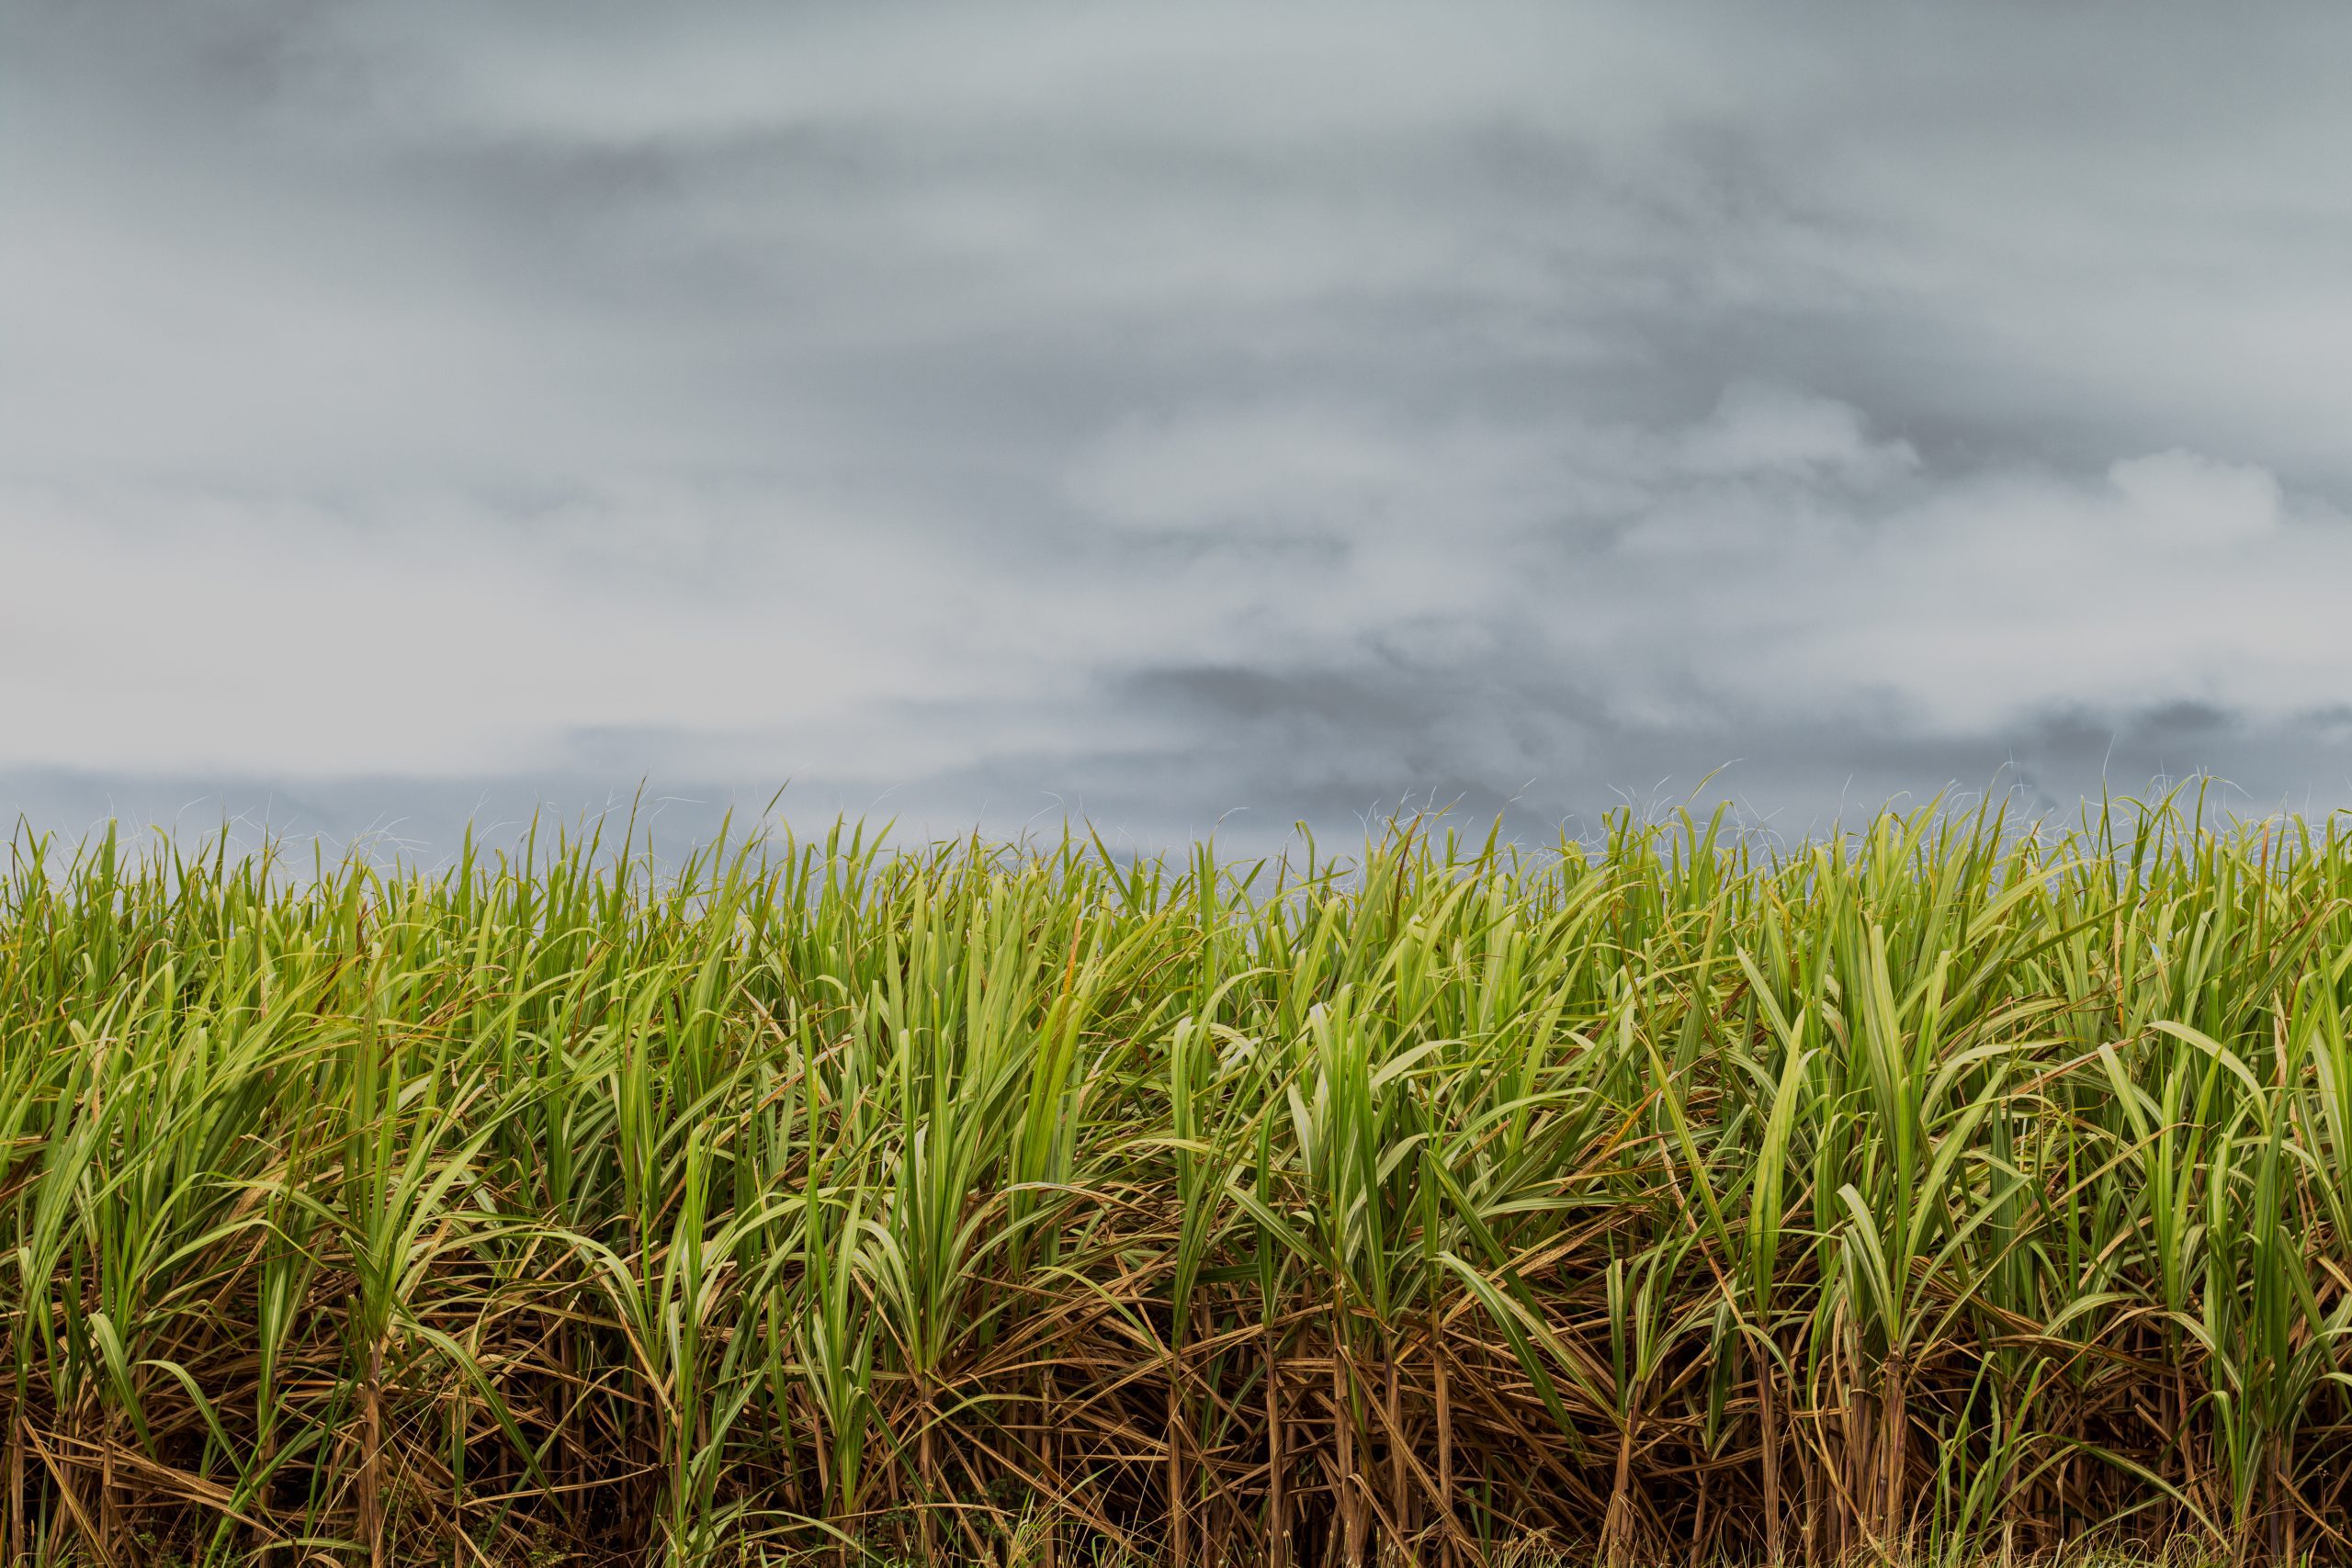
1774,557
1759,429
423,633
1326,467
2000,595
2180,496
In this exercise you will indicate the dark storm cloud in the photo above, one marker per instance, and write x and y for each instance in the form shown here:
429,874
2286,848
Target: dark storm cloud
1162,413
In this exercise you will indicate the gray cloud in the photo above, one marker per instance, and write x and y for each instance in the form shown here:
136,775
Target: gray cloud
1300,410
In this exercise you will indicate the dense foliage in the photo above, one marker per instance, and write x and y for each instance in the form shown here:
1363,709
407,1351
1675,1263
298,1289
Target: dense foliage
1940,1187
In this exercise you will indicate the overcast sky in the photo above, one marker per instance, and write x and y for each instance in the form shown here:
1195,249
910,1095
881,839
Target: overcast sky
1168,413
